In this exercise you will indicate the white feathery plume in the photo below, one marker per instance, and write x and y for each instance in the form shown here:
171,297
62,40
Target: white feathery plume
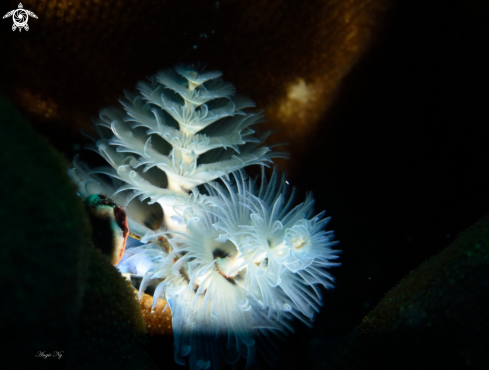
241,260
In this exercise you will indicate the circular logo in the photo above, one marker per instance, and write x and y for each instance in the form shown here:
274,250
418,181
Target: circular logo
20,17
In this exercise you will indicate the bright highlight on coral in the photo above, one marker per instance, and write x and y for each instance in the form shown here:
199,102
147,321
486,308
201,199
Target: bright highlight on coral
234,257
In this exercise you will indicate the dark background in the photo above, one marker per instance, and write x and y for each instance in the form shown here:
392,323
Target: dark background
399,160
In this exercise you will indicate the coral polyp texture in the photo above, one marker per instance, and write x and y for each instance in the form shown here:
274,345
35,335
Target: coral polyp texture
233,256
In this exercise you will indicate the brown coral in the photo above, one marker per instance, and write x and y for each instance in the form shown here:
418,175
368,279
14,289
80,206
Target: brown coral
157,321
436,317
288,56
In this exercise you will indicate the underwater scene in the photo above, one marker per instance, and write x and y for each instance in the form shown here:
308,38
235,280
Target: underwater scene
244,184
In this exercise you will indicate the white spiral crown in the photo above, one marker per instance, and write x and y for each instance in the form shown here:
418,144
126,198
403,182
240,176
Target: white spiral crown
241,260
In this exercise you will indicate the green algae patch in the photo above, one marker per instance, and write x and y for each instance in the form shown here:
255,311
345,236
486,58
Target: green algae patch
44,243
111,329
63,305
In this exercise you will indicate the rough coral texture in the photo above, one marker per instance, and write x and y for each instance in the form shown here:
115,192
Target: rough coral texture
58,293
436,317
78,56
158,322
111,330
44,241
